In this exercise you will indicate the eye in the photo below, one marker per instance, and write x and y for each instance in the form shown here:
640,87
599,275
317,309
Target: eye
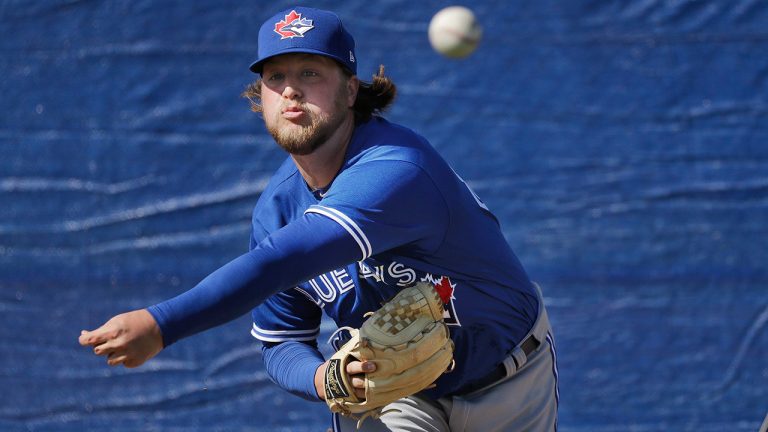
275,77
309,73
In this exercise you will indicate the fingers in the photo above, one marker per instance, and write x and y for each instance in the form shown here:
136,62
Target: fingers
355,367
118,358
102,349
104,340
359,386
117,354
99,336
129,339
86,338
358,383
115,359
356,370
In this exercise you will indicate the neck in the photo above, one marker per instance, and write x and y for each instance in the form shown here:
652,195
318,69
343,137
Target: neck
320,167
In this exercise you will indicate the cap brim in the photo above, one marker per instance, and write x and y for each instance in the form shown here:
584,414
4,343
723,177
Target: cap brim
257,66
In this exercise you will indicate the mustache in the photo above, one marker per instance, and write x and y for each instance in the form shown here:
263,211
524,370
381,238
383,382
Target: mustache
292,106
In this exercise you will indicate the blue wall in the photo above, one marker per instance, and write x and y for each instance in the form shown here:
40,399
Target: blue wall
622,145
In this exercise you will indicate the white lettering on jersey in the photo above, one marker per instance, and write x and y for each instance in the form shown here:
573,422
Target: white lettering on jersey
329,286
328,294
377,272
342,279
405,276
397,273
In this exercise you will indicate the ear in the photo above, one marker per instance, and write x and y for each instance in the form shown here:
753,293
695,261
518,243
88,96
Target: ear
353,84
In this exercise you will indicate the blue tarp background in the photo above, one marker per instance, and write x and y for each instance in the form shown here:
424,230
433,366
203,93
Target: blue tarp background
623,145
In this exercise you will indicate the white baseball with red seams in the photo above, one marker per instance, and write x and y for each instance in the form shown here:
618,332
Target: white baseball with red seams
454,32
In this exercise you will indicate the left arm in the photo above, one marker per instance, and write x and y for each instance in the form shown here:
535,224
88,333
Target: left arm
293,366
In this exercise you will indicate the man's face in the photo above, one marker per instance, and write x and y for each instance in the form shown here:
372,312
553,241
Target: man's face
305,98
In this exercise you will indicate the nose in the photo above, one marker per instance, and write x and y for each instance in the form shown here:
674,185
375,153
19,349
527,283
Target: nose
291,91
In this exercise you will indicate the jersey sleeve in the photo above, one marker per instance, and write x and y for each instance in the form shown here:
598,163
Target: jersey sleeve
370,208
299,251
287,316
386,204
258,233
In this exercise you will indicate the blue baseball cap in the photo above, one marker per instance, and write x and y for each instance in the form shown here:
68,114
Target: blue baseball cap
306,30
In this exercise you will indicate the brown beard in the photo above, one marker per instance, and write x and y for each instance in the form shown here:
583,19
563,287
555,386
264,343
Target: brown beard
305,139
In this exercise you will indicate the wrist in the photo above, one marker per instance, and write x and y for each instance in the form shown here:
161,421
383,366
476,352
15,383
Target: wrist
153,329
159,318
320,380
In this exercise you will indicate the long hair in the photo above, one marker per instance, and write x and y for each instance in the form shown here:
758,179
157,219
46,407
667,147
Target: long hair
372,98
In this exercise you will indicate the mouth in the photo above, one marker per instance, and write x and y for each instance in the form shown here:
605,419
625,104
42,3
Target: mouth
293,112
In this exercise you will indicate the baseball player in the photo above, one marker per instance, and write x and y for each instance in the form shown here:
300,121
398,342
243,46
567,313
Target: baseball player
361,209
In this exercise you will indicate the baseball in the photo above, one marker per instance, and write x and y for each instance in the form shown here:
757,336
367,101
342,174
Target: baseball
454,32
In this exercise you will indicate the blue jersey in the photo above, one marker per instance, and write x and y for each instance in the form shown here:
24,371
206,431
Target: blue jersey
410,218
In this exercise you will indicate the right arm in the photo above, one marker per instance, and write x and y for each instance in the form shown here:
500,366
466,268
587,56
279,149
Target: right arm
387,205
306,247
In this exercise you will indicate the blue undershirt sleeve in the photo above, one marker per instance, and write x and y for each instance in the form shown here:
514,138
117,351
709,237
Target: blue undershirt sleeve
303,249
292,366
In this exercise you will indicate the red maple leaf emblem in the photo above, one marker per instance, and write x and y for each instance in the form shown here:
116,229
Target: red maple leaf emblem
444,289
291,17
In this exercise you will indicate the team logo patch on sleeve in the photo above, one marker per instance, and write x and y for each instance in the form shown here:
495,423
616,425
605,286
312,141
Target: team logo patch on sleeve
293,26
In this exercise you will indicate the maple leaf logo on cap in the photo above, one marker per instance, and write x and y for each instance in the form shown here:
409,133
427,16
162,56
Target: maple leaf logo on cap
293,26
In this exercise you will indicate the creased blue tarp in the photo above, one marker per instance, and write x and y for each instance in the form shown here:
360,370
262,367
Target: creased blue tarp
623,145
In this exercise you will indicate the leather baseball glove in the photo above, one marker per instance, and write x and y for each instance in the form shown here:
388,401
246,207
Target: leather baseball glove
410,345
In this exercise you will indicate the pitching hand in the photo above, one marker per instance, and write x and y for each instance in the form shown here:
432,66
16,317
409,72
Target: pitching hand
129,339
